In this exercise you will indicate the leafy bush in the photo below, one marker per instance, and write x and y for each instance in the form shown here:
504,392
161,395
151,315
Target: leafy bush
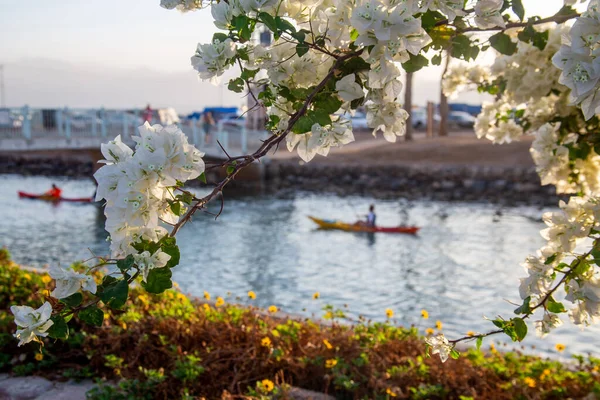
170,346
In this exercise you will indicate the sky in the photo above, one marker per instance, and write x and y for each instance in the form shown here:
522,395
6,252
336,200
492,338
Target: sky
126,53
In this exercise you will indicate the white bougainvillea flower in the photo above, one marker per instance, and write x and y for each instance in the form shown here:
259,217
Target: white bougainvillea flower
34,322
147,262
115,151
211,59
69,282
439,345
547,323
348,89
389,119
488,14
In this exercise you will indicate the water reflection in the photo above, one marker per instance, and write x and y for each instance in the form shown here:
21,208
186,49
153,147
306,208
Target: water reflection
460,267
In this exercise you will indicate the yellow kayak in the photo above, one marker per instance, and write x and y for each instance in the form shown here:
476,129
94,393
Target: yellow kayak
343,226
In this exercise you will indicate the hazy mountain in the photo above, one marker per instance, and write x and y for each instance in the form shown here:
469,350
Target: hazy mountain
53,83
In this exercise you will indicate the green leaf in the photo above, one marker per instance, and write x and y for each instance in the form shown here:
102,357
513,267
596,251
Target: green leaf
248,74
284,25
518,9
92,316
202,179
327,103
176,208
550,259
502,43
59,329
301,49
230,169
300,35
242,25
220,37
354,65
437,59
555,306
113,292
169,245
415,63
303,125
126,263
524,308
236,85
73,300
320,116
478,342
454,354
520,328
159,280
268,20
353,34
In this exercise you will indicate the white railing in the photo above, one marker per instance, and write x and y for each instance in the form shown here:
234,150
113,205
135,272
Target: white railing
26,128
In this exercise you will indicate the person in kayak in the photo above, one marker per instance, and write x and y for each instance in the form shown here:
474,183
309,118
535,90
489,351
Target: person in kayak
371,217
54,192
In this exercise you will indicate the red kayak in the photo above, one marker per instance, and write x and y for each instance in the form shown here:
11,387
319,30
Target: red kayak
45,197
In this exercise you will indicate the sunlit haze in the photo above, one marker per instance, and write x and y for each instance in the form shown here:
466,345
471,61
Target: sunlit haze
116,53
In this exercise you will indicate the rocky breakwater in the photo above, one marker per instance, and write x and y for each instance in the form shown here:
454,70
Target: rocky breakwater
501,185
46,165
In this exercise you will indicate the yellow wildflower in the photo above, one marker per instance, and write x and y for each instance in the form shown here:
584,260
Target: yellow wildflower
266,342
332,362
267,385
327,344
328,315
39,356
206,295
124,325
530,382
27,276
544,374
219,302
390,392
493,349
316,295
181,296
46,279
429,331
389,312
175,284
117,371
170,295
275,333
206,307
560,347
470,333
438,325
252,295
424,314
272,309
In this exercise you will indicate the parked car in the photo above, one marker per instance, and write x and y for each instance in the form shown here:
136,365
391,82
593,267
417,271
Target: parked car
359,121
418,118
461,118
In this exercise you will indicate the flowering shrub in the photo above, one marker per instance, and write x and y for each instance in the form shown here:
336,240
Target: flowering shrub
169,346
328,58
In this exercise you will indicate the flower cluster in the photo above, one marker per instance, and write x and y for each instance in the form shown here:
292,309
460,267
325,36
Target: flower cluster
579,62
550,267
137,186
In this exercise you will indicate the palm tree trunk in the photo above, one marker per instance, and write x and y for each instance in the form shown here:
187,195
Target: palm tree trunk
408,105
444,111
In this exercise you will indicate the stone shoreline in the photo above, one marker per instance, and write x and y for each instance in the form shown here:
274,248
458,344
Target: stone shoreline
505,186
499,185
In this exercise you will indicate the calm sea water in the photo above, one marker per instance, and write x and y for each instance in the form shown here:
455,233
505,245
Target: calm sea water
463,265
